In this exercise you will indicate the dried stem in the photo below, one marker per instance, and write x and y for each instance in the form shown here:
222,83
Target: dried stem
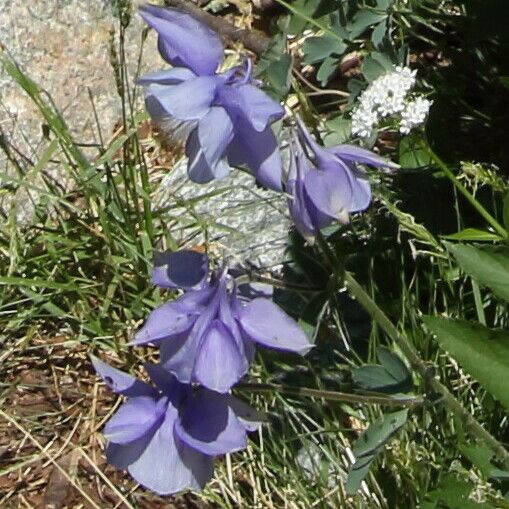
256,42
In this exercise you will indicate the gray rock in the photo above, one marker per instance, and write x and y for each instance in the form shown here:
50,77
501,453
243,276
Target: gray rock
63,45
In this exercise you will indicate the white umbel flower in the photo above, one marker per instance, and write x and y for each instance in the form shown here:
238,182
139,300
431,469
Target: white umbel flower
387,97
414,114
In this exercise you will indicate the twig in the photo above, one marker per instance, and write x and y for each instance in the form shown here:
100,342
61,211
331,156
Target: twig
316,90
256,42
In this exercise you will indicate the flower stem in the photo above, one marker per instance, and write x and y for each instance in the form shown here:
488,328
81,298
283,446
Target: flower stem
472,426
464,191
407,401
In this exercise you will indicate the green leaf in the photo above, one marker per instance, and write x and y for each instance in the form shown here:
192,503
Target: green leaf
364,19
373,377
326,70
278,75
371,68
413,153
275,66
375,64
390,377
36,283
482,352
369,444
473,234
379,33
393,364
338,131
318,48
302,12
488,265
480,456
455,494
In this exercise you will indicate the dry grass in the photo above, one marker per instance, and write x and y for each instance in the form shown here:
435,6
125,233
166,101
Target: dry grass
51,454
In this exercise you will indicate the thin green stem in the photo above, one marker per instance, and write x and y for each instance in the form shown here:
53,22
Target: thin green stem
310,20
368,399
472,426
466,193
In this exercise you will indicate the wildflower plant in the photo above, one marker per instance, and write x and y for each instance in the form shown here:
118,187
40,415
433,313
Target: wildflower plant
167,434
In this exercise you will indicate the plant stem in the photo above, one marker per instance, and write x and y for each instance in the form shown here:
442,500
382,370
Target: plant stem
464,191
407,401
472,426
310,20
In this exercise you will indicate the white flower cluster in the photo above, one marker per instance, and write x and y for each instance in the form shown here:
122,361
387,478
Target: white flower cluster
414,114
388,96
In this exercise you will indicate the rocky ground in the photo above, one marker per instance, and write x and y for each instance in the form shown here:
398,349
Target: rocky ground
64,46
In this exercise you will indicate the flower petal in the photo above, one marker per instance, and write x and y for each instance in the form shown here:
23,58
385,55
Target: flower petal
210,426
180,269
162,462
264,322
166,77
250,103
207,144
162,378
183,40
188,100
229,307
180,356
168,320
120,382
133,420
361,194
298,209
194,301
220,363
199,170
354,154
330,190
259,151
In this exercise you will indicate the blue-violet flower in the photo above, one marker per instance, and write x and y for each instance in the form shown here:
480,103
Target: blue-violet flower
208,334
325,184
224,116
167,435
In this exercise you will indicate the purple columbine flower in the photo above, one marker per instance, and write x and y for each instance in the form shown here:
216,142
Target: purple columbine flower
166,436
325,184
224,116
208,334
